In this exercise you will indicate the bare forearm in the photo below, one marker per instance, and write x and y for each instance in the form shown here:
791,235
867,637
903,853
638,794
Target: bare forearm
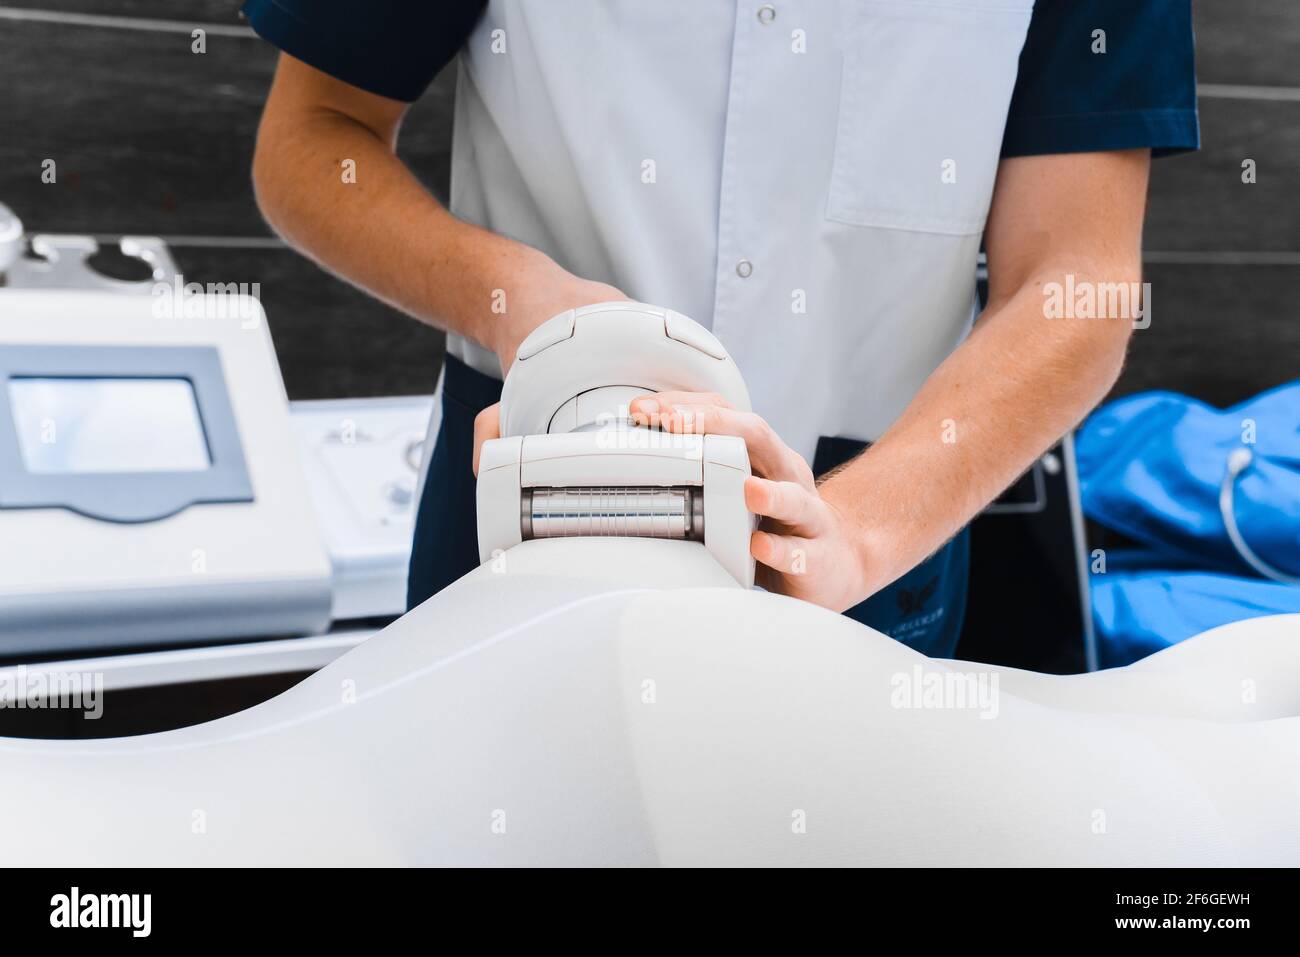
997,403
1004,396
383,232
1022,379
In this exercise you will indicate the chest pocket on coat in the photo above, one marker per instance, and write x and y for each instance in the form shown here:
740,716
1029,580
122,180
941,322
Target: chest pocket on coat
923,102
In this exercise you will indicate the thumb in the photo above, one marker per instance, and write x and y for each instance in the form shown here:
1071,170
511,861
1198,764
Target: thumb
487,425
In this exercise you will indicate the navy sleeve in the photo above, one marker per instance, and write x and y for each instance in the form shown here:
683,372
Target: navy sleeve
1140,92
392,48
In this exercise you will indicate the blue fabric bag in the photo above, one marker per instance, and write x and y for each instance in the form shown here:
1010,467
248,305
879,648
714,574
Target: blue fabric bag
1136,613
1212,499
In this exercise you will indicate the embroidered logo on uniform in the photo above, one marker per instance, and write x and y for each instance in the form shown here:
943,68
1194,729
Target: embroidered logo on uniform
910,601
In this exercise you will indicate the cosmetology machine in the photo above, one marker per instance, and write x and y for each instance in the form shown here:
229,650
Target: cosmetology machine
571,464
158,491
624,699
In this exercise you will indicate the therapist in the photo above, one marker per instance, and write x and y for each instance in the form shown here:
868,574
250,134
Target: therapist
810,179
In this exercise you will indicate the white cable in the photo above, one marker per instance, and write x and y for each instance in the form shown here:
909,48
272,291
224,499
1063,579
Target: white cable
1238,462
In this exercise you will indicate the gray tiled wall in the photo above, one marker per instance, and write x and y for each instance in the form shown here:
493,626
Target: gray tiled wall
152,139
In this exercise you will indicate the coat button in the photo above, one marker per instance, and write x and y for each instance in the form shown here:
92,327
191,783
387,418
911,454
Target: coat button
766,14
744,269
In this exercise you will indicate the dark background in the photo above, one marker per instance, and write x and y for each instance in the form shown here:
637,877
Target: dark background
152,139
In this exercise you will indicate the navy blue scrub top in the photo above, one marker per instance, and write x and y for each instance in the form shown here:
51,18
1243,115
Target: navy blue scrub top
1069,97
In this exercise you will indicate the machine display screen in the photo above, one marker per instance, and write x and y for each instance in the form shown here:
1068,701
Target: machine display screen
111,424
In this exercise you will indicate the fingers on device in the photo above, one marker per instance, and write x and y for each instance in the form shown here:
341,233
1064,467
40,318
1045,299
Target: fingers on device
571,464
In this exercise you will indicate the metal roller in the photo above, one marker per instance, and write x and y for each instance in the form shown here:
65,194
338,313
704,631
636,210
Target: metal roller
645,512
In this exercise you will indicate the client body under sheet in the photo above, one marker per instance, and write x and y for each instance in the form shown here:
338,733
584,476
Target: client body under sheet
622,701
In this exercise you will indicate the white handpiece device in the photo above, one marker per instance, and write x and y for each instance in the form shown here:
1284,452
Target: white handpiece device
569,463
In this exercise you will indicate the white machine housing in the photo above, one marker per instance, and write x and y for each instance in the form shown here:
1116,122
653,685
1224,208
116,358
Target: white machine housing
197,567
570,463
362,462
